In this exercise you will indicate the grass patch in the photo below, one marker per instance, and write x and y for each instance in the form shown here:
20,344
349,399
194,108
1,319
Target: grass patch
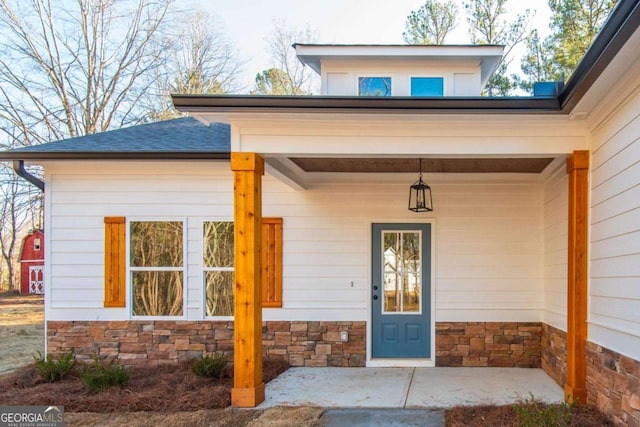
533,413
12,293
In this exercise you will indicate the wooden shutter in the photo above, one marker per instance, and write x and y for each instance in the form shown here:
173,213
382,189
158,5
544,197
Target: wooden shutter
114,261
272,262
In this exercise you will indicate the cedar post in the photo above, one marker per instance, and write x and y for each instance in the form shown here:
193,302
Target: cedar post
578,171
248,388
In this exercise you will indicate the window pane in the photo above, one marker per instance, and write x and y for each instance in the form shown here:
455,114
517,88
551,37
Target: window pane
156,244
411,272
157,293
427,86
218,244
374,86
219,289
392,283
402,279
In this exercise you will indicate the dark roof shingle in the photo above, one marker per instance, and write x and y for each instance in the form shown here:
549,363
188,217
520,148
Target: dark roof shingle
185,138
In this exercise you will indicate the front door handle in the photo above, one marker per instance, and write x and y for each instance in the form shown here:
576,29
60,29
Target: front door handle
375,297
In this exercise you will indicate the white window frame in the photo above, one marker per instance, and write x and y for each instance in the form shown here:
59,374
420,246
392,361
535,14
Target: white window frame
382,306
183,269
206,269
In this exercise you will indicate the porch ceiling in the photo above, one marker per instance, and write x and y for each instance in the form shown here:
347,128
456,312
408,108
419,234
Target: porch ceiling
429,165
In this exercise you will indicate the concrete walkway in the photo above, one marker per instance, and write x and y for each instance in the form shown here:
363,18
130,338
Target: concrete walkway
382,418
402,388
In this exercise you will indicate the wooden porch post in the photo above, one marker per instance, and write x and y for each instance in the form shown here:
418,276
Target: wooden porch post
248,388
578,171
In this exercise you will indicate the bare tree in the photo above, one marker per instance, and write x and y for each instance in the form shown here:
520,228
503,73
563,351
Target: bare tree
77,67
205,62
70,68
294,78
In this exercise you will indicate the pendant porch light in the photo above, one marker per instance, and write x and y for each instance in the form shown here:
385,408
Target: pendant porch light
420,195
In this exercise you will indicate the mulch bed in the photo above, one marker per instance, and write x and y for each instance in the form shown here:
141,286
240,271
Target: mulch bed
505,416
161,389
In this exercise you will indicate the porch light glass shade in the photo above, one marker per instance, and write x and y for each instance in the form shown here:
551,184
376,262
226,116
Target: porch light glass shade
420,197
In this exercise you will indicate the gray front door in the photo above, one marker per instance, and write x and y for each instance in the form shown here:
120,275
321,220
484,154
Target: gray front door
401,291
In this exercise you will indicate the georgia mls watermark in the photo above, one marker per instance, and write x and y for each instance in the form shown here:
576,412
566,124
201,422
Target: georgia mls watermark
31,416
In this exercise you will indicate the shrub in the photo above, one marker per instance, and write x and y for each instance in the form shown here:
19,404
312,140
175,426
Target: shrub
54,369
532,413
210,366
101,375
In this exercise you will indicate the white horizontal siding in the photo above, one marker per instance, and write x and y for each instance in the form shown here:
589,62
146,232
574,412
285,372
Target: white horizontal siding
614,309
488,247
80,198
555,249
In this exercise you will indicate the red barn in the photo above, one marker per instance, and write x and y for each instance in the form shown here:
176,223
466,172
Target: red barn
32,263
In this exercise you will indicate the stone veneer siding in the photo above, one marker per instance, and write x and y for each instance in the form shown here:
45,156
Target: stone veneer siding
152,343
554,353
495,344
301,343
316,343
613,385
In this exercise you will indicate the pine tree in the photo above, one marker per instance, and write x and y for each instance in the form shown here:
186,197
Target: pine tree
431,23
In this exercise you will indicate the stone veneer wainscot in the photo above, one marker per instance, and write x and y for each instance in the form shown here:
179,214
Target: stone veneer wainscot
301,343
483,344
613,385
152,343
554,353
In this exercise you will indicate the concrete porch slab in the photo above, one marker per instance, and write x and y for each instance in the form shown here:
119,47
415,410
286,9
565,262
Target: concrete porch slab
448,387
340,388
408,387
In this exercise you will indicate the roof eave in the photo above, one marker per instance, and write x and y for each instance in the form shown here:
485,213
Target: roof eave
88,155
354,104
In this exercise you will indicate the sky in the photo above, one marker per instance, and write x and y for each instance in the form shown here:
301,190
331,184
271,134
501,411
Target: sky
248,23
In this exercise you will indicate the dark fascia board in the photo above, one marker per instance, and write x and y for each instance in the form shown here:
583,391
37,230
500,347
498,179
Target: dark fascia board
407,46
113,155
622,23
357,104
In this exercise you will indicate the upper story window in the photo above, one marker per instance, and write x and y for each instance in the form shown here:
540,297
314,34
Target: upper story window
427,86
374,86
157,267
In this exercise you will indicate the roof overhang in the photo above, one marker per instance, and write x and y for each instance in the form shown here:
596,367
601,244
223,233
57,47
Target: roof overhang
487,56
354,104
